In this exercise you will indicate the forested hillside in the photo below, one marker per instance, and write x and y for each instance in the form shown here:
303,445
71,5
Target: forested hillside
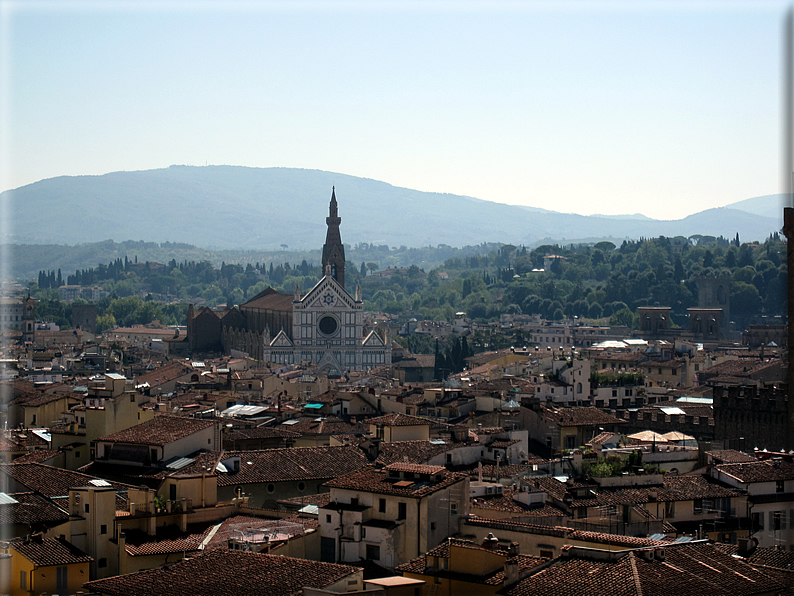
597,282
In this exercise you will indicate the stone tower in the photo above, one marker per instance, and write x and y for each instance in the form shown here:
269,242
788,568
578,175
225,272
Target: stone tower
333,249
29,320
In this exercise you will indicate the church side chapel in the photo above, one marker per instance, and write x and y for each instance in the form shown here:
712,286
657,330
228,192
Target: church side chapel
322,328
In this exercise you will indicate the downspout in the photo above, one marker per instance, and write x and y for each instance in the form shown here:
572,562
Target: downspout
418,529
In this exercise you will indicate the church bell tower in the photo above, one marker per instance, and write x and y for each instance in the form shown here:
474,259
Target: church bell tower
333,249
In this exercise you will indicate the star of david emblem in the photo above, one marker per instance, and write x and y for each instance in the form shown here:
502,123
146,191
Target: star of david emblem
328,299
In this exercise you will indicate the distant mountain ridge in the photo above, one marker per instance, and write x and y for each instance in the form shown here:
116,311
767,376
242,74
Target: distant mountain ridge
235,207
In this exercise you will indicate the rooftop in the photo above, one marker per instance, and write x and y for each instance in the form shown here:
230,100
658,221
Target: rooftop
222,572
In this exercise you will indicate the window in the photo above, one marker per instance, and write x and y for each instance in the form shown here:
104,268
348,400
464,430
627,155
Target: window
271,488
547,554
132,398
669,509
779,486
61,580
381,505
758,521
103,563
103,529
373,552
301,486
698,506
453,508
172,492
23,580
86,507
401,511
432,526
777,520
328,518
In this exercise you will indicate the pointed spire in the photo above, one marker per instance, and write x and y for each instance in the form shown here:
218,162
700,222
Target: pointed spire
297,292
333,211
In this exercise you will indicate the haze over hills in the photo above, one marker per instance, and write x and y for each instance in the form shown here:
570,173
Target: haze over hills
234,207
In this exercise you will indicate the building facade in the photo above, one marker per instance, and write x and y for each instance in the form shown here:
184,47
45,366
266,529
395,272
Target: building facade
322,328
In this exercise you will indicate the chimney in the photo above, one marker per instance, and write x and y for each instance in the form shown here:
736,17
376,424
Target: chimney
512,574
490,541
514,549
746,546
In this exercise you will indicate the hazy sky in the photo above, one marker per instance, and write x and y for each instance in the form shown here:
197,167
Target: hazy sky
589,107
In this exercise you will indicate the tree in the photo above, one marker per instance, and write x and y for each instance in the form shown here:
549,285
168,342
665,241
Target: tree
624,316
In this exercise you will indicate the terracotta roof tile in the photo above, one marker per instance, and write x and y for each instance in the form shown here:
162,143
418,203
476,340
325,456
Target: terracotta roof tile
415,452
399,420
579,416
684,569
759,471
160,430
31,508
270,299
297,463
222,572
46,552
376,481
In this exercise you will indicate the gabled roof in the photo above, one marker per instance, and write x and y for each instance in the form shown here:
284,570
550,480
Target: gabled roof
160,430
399,420
52,482
48,552
270,299
223,572
759,471
31,508
674,569
327,282
373,339
297,463
578,416
281,341
415,452
371,480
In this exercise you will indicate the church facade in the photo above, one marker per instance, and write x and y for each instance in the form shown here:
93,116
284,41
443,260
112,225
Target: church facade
323,327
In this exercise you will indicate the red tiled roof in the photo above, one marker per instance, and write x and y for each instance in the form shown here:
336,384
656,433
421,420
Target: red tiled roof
31,508
297,463
579,416
730,456
37,456
686,569
415,468
675,488
222,572
759,471
270,299
55,483
375,481
160,430
47,552
399,420
166,373
416,452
